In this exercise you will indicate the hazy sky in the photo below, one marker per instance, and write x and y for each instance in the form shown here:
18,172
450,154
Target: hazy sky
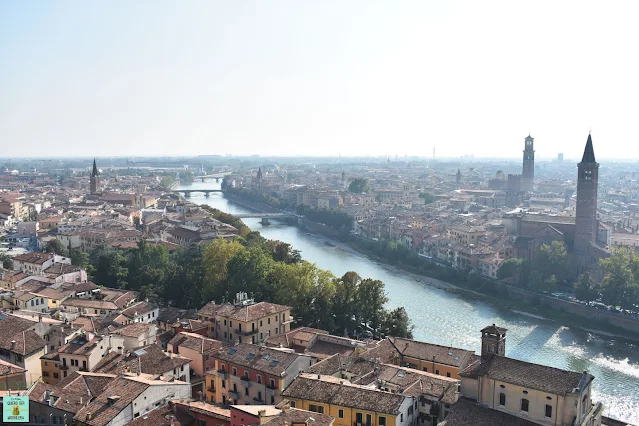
318,77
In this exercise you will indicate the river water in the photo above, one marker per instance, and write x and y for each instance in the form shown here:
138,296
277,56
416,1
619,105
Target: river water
449,319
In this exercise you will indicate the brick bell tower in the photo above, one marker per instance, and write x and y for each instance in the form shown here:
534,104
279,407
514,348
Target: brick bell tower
528,170
586,214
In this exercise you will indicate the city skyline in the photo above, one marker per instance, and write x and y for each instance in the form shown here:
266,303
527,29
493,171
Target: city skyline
356,78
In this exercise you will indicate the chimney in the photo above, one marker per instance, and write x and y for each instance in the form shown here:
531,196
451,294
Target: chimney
261,413
13,344
88,416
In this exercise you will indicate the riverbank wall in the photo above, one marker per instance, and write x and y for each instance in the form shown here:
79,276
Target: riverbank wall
249,204
585,316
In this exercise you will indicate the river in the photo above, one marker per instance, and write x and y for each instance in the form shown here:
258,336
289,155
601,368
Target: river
449,319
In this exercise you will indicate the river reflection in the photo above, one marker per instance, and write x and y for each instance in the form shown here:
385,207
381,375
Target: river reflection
449,319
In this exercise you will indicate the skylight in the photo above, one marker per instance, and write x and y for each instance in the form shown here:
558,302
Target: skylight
231,351
273,363
140,352
251,355
266,356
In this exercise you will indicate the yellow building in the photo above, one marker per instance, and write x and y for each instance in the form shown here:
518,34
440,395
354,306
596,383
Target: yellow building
442,360
245,321
51,373
538,393
350,404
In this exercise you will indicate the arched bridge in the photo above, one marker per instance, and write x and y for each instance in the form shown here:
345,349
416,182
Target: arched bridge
187,192
265,215
216,176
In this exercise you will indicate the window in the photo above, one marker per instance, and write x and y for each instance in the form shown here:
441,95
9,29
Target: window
401,417
259,379
260,323
223,384
45,373
548,410
271,382
259,395
234,371
502,399
426,369
246,392
369,419
224,322
436,371
358,418
382,421
340,413
269,321
447,374
230,323
201,423
293,405
524,404
312,407
56,375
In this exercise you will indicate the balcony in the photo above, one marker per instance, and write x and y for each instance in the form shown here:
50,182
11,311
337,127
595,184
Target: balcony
245,381
235,395
210,389
270,391
64,367
222,374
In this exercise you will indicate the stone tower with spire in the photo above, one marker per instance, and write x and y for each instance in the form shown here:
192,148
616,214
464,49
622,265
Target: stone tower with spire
458,177
95,179
528,172
586,214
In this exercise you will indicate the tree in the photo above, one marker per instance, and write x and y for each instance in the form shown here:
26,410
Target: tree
248,270
397,324
7,261
371,299
551,259
285,253
79,258
428,198
345,305
585,288
216,258
359,185
55,246
620,285
510,268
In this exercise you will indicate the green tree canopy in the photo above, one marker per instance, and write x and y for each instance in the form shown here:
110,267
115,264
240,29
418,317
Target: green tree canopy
359,185
585,288
55,246
620,286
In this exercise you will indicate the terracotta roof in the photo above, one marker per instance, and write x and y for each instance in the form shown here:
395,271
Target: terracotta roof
72,392
334,393
250,312
195,342
79,345
467,413
35,257
527,375
101,410
89,303
151,360
20,331
428,352
61,269
139,308
209,309
163,416
6,368
295,416
257,358
368,373
134,330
